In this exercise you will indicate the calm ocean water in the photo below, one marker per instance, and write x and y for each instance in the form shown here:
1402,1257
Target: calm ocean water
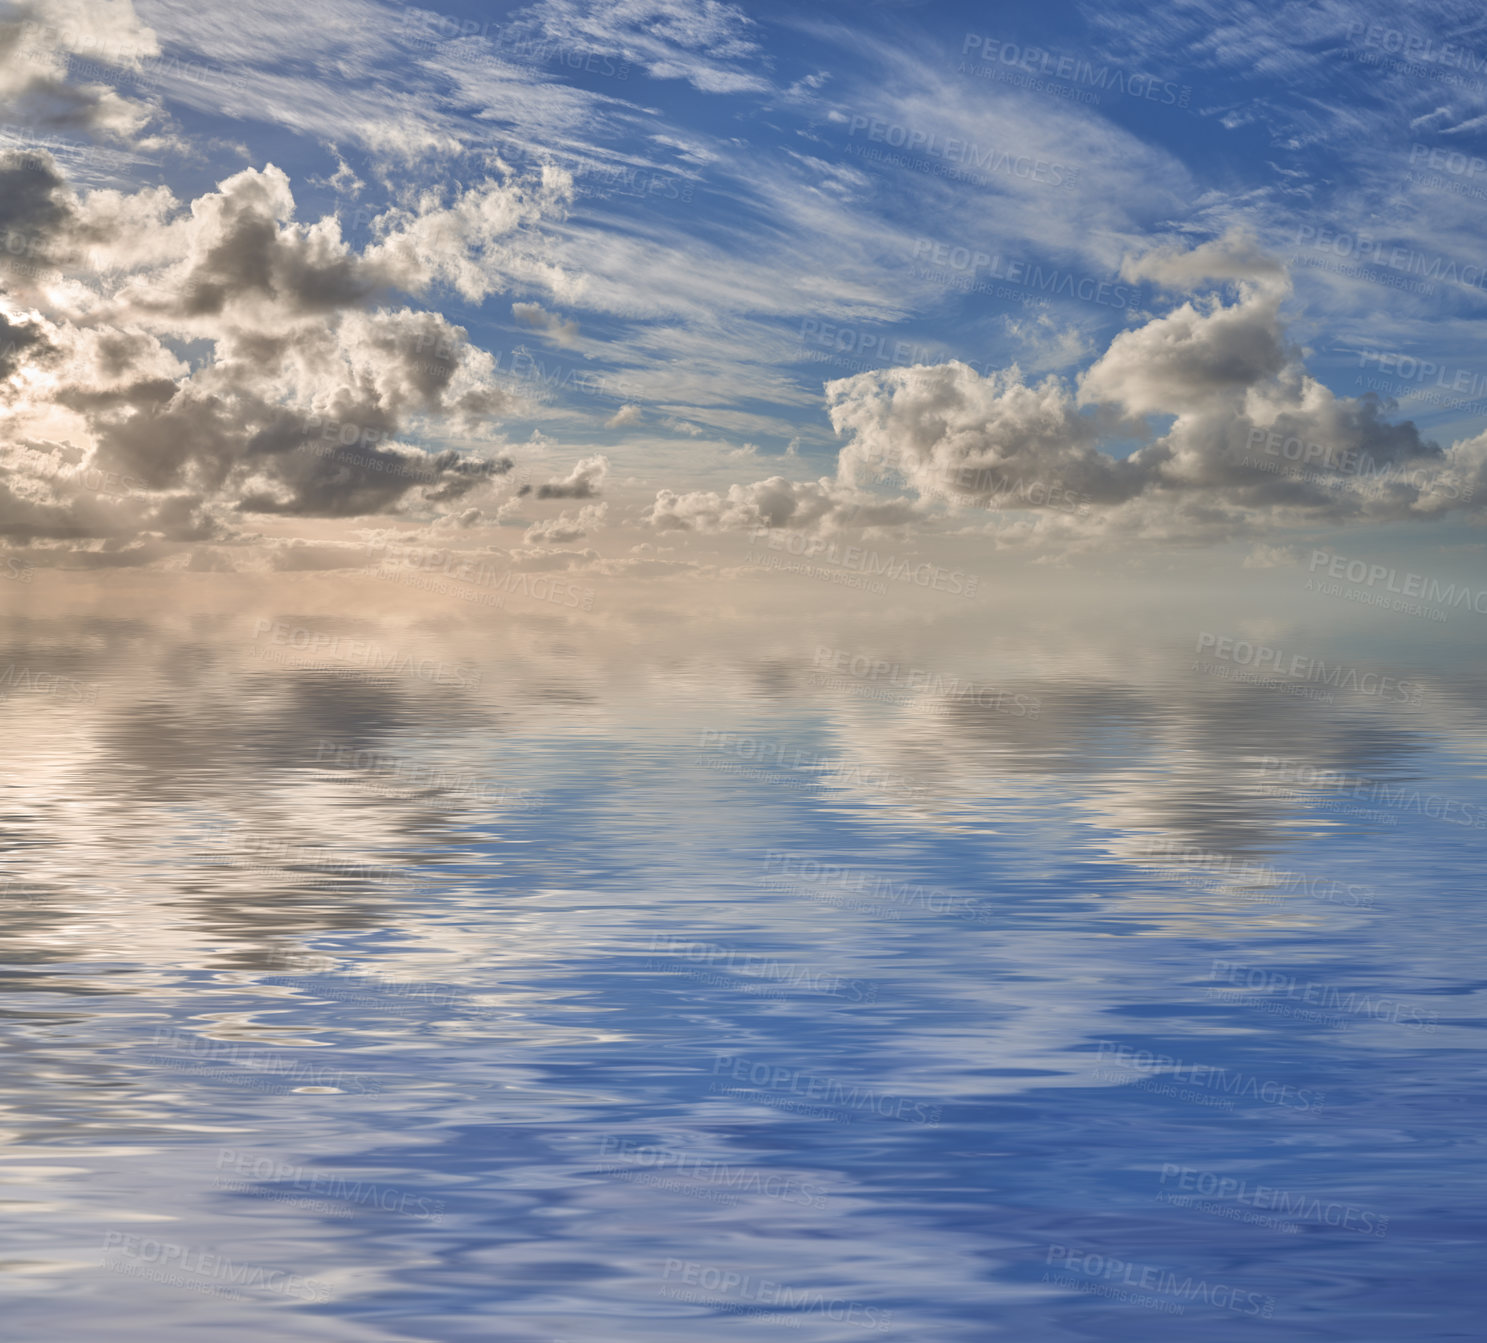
818,987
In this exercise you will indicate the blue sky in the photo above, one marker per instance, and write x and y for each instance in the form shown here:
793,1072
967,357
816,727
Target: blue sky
681,220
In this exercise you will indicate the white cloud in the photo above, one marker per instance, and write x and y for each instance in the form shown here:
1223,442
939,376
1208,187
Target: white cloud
704,42
560,332
583,482
1266,556
1242,408
563,529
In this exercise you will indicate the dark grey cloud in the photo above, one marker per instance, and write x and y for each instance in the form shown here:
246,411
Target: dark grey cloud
21,342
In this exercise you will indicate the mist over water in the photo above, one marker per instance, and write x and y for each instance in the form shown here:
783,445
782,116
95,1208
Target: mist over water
681,974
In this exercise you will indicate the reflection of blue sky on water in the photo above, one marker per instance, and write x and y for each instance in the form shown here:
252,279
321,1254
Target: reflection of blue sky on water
636,1022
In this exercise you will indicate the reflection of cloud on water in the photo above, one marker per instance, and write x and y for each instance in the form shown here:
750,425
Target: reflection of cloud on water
360,790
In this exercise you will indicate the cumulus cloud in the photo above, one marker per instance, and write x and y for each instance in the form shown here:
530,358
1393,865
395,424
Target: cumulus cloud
476,240
309,370
585,481
626,414
955,436
1199,356
775,502
1253,440
563,530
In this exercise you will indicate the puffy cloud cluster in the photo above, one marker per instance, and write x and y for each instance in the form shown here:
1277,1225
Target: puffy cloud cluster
585,481
775,502
952,434
1253,439
563,530
223,356
479,241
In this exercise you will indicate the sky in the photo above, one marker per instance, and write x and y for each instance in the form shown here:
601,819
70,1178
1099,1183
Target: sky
622,286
